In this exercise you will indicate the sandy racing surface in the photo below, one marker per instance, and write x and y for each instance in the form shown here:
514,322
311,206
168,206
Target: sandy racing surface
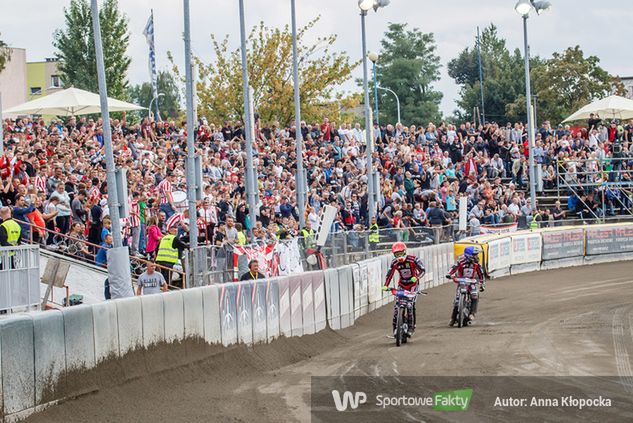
567,322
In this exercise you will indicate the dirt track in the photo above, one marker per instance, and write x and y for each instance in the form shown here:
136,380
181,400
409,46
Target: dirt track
567,322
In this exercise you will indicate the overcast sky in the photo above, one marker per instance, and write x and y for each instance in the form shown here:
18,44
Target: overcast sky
604,28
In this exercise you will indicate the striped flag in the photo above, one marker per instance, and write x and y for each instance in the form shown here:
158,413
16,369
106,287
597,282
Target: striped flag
149,36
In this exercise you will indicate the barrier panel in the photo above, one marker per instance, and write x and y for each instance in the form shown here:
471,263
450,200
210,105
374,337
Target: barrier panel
346,295
211,314
244,313
499,257
307,302
296,310
609,239
332,298
526,248
130,324
563,244
374,284
153,319
318,295
174,316
361,301
50,354
285,328
193,313
260,303
79,337
106,330
272,309
228,313
18,364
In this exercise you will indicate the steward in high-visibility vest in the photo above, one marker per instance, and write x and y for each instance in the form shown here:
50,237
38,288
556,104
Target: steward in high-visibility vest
166,251
536,218
10,230
309,241
374,234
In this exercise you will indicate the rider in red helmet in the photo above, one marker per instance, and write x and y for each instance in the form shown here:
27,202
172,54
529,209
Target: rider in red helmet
410,269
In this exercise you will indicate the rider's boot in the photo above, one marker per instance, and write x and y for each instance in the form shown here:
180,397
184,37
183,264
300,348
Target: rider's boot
453,317
411,324
473,308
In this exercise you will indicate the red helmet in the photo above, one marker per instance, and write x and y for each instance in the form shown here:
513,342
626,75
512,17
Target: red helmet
399,250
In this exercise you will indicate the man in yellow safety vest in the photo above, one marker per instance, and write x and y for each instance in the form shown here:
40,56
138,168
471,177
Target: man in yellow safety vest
168,253
374,234
10,232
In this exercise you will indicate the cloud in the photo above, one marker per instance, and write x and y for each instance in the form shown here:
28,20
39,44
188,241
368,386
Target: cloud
601,32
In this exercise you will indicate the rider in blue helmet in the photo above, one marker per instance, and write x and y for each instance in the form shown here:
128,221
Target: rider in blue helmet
468,267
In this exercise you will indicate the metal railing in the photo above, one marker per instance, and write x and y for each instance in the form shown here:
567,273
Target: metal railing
85,251
19,277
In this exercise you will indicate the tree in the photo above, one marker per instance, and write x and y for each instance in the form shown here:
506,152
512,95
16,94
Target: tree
409,66
5,54
76,51
504,80
269,58
567,82
169,103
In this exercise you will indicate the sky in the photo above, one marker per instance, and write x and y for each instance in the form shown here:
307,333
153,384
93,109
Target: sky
601,28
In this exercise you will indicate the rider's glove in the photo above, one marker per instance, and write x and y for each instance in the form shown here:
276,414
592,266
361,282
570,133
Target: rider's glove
448,277
385,288
414,279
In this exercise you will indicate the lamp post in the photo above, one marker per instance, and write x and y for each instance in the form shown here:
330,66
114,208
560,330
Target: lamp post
373,56
300,188
119,275
397,100
149,109
365,6
523,8
251,183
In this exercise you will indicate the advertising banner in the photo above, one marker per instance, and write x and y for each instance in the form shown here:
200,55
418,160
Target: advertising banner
609,240
498,229
499,254
563,244
526,248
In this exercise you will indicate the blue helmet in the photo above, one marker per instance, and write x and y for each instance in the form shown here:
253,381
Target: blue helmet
472,251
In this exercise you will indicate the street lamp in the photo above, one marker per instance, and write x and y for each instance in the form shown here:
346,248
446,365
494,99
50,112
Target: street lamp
523,8
149,110
300,187
365,6
397,100
373,56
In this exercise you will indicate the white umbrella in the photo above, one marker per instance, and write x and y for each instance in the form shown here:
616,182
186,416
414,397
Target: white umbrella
69,102
612,107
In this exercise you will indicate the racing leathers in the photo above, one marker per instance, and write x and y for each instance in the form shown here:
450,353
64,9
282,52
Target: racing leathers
408,268
470,269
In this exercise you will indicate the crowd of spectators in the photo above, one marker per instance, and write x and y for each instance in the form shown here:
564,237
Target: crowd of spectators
53,176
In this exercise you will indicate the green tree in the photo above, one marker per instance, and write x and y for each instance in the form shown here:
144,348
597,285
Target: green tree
321,72
567,82
409,66
169,104
76,52
5,54
503,78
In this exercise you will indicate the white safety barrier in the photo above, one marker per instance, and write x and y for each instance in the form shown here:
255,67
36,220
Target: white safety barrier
153,319
18,364
244,313
130,324
272,309
193,313
49,354
211,310
174,316
259,311
106,330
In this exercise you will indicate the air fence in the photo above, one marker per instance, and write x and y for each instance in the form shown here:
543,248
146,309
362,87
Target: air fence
39,350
